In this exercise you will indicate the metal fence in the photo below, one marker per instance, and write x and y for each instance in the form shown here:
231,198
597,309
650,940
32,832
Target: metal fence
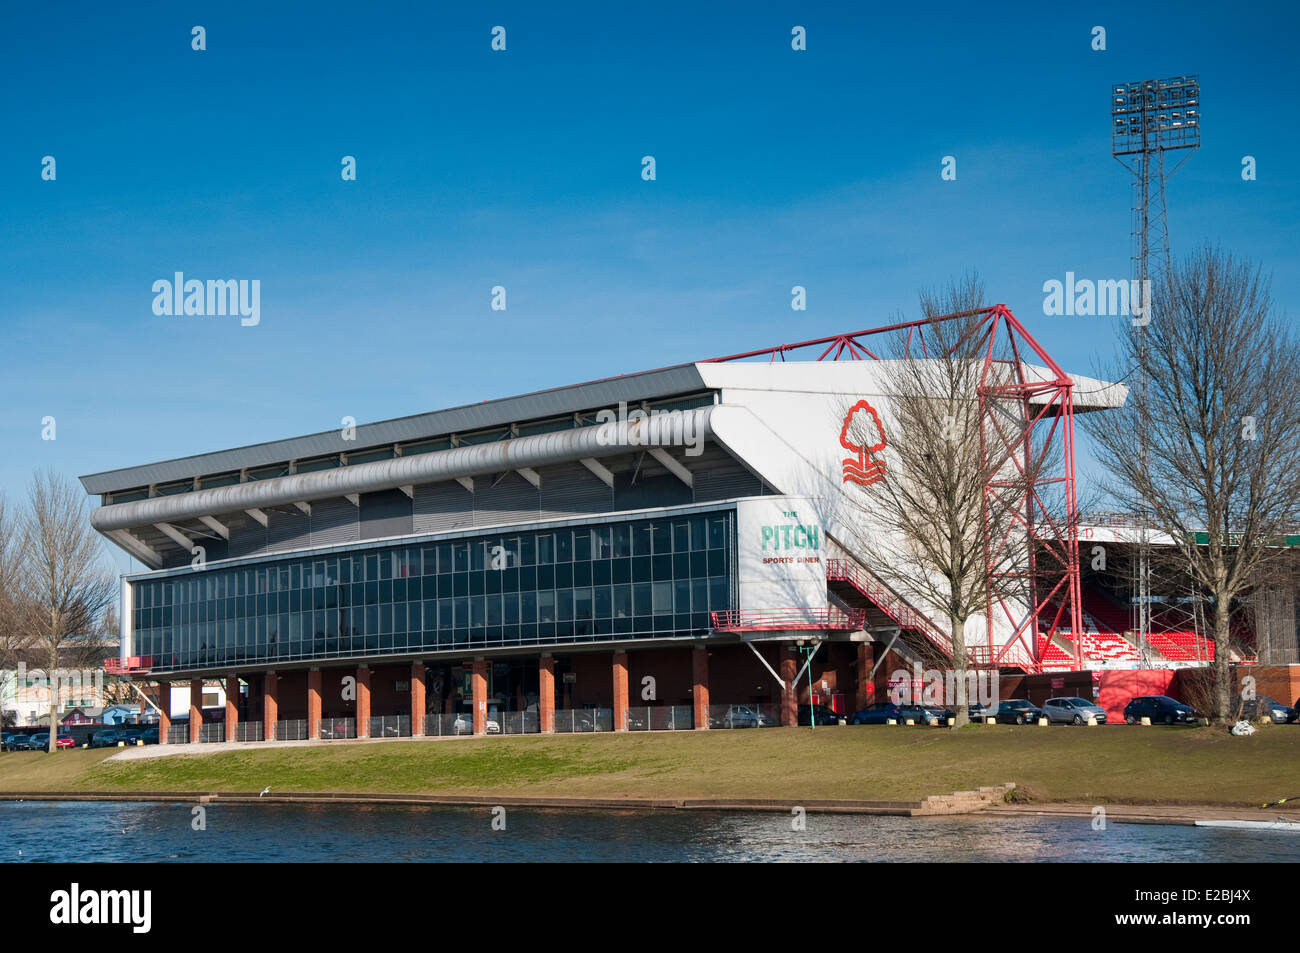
583,719
390,726
455,724
744,716
212,732
291,729
249,731
661,718
178,734
335,728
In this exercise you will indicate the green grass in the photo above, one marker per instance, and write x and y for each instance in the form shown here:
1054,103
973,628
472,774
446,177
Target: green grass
1105,765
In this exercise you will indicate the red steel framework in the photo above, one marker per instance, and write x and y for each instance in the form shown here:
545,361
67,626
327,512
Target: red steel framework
1050,576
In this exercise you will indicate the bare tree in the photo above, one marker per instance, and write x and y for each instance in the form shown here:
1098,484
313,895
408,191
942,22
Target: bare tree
921,518
61,585
1220,413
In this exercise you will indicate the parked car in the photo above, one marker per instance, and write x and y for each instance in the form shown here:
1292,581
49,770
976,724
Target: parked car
1161,709
150,736
877,714
1073,711
929,714
742,716
106,738
16,742
1267,708
131,737
1018,711
39,741
818,715
64,741
464,725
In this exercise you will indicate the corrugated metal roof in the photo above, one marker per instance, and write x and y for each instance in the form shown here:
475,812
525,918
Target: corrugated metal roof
648,385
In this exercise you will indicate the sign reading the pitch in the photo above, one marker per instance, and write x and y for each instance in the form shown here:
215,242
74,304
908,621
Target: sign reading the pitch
782,543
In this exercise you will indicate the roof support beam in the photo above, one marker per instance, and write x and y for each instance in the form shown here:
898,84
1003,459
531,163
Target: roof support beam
175,535
218,527
466,482
305,507
531,475
675,468
259,516
595,467
408,489
136,547
353,498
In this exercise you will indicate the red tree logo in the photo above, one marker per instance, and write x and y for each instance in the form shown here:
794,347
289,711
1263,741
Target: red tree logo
862,422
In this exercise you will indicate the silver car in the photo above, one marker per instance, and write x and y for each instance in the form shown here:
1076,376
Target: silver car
1072,711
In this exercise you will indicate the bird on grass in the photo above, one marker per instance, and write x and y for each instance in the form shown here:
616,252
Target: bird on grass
265,790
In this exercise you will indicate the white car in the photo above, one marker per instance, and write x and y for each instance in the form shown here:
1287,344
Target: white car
464,725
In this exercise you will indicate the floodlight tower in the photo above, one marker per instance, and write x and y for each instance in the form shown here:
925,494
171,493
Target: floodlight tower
1148,119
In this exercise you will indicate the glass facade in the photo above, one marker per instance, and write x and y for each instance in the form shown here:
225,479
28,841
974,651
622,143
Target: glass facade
619,580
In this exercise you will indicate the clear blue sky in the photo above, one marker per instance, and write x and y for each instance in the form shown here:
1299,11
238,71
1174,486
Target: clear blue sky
522,169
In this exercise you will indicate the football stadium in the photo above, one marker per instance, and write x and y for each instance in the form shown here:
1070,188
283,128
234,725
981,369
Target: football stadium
665,549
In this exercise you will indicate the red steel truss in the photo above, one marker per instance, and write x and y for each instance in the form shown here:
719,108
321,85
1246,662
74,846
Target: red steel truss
1034,425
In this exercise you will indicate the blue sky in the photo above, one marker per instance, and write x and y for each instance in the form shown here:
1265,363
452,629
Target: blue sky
522,169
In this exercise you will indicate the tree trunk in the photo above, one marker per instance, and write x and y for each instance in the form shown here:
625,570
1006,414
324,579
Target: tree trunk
55,684
958,628
1222,673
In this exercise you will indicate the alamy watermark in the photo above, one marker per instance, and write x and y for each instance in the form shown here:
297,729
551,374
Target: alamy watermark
82,686
180,296
655,428
943,687
1085,298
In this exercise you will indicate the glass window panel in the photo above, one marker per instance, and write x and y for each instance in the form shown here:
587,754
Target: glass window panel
545,548
546,606
581,544
622,533
641,598
564,546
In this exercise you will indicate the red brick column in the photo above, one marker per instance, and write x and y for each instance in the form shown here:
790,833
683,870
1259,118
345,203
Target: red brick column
417,699
196,709
232,707
546,694
700,688
270,705
164,711
363,701
313,704
620,691
865,690
479,683
789,695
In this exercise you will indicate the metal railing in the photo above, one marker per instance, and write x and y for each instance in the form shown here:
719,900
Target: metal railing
335,728
390,726
574,720
249,731
291,729
830,617
178,734
745,716
661,718
212,732
888,601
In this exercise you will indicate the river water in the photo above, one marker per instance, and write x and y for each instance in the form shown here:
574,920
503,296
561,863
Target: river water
146,831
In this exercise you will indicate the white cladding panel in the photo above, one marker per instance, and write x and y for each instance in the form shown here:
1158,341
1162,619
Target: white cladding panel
781,550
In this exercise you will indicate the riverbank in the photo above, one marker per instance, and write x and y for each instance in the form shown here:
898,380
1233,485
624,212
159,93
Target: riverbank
1114,765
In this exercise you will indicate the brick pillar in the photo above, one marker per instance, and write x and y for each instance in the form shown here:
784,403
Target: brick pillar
417,699
270,705
700,689
164,711
865,691
232,707
363,701
620,691
196,709
546,694
790,694
479,683
313,704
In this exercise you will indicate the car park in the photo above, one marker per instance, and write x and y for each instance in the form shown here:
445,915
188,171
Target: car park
16,742
39,741
1018,711
878,714
106,738
742,716
1072,711
1161,709
149,736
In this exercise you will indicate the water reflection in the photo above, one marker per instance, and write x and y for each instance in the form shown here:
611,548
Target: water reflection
71,831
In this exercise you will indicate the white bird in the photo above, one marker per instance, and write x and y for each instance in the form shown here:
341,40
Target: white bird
265,790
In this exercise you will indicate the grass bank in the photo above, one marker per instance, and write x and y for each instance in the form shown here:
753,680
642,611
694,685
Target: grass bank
1103,765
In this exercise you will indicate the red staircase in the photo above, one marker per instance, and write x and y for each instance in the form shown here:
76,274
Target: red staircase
769,620
887,601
